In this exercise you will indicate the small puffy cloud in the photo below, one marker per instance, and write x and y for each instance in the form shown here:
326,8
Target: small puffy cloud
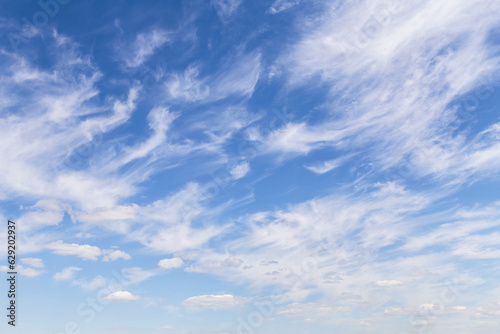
459,308
175,262
121,296
66,274
112,255
33,262
388,283
85,252
396,311
211,301
429,306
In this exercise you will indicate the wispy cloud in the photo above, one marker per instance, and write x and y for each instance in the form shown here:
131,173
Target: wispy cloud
400,94
144,46
226,8
361,211
325,166
238,76
66,274
212,301
33,262
281,5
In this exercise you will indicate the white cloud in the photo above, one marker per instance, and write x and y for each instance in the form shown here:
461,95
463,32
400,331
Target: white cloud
112,255
320,246
187,86
212,266
465,235
28,272
95,283
281,5
45,212
144,46
232,262
388,283
85,252
429,306
164,225
66,274
300,138
391,59
325,166
238,77
55,136
159,120
226,8
211,301
114,217
121,296
33,262
136,275
239,171
396,311
312,311
167,224
84,235
175,262
401,80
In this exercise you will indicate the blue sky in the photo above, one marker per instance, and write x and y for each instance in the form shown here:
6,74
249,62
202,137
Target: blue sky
236,166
